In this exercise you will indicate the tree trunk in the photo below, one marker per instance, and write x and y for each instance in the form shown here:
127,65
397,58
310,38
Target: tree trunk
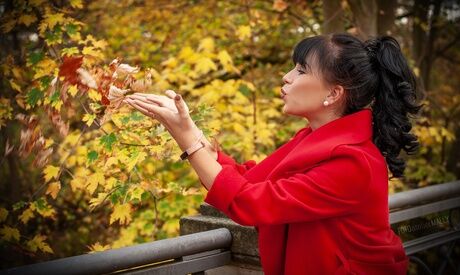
334,17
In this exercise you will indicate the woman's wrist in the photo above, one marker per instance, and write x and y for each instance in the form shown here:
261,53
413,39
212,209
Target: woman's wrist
208,145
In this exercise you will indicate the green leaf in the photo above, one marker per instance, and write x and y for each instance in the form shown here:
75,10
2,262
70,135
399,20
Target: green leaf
92,156
45,82
35,57
71,29
244,90
34,96
108,140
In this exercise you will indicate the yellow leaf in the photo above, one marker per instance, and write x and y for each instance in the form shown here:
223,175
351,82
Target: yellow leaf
206,45
98,247
72,90
9,233
243,32
101,44
8,25
77,183
51,172
15,86
54,19
38,242
45,67
94,180
136,192
3,214
94,202
94,95
27,19
53,189
76,4
225,59
89,119
92,51
70,51
26,215
121,212
204,65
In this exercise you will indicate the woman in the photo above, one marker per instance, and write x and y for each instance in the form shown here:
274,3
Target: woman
320,201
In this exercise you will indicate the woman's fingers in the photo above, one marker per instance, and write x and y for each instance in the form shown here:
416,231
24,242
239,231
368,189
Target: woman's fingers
152,108
170,93
140,108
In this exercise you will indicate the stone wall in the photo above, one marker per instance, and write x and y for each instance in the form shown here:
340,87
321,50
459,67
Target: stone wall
244,249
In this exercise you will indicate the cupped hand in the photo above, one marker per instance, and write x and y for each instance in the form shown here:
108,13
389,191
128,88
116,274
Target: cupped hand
170,110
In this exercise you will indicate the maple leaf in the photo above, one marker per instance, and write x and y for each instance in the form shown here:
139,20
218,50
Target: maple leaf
51,172
98,247
38,242
69,67
53,189
9,233
121,212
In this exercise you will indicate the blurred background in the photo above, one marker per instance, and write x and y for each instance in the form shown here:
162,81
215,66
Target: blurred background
79,173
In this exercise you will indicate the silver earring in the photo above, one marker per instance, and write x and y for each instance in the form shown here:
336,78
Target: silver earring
325,103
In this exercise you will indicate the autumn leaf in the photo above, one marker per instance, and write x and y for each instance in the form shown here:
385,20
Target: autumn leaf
279,5
9,233
243,32
97,247
69,67
53,189
26,215
122,213
3,214
38,242
51,172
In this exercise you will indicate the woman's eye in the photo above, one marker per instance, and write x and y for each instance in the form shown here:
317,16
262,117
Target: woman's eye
300,72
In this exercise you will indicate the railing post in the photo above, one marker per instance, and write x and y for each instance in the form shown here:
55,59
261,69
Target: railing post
244,248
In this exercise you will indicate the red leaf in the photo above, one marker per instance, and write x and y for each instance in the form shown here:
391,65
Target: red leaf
69,67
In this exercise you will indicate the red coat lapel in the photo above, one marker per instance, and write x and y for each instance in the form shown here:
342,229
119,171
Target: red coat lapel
308,147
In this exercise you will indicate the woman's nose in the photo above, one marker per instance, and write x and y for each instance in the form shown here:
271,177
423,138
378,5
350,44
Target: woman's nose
286,78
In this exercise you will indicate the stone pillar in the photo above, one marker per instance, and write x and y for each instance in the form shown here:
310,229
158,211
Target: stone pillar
244,249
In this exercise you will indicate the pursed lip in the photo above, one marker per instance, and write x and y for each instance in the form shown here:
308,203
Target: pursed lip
283,93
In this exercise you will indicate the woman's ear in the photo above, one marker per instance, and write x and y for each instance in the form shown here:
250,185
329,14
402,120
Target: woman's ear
336,94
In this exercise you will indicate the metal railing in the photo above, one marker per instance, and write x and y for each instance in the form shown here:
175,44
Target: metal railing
197,252
417,204
191,253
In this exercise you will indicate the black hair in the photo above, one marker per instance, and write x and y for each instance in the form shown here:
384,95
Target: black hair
374,74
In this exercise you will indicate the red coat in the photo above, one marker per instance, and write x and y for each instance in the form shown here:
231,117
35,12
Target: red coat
319,202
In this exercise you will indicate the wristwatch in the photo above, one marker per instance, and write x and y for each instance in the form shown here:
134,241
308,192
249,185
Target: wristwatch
192,149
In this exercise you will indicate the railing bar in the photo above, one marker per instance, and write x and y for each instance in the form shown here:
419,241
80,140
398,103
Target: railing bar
185,267
407,214
131,256
423,195
430,241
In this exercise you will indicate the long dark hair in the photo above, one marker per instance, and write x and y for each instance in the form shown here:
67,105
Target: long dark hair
375,74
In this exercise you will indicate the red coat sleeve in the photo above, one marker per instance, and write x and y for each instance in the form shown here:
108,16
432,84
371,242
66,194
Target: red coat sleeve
225,159
332,188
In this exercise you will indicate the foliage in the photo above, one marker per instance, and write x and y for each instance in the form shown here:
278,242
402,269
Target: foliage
82,173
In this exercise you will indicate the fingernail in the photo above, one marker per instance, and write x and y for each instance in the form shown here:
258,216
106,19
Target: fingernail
178,97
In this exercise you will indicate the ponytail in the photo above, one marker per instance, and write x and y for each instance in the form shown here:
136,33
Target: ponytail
395,100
